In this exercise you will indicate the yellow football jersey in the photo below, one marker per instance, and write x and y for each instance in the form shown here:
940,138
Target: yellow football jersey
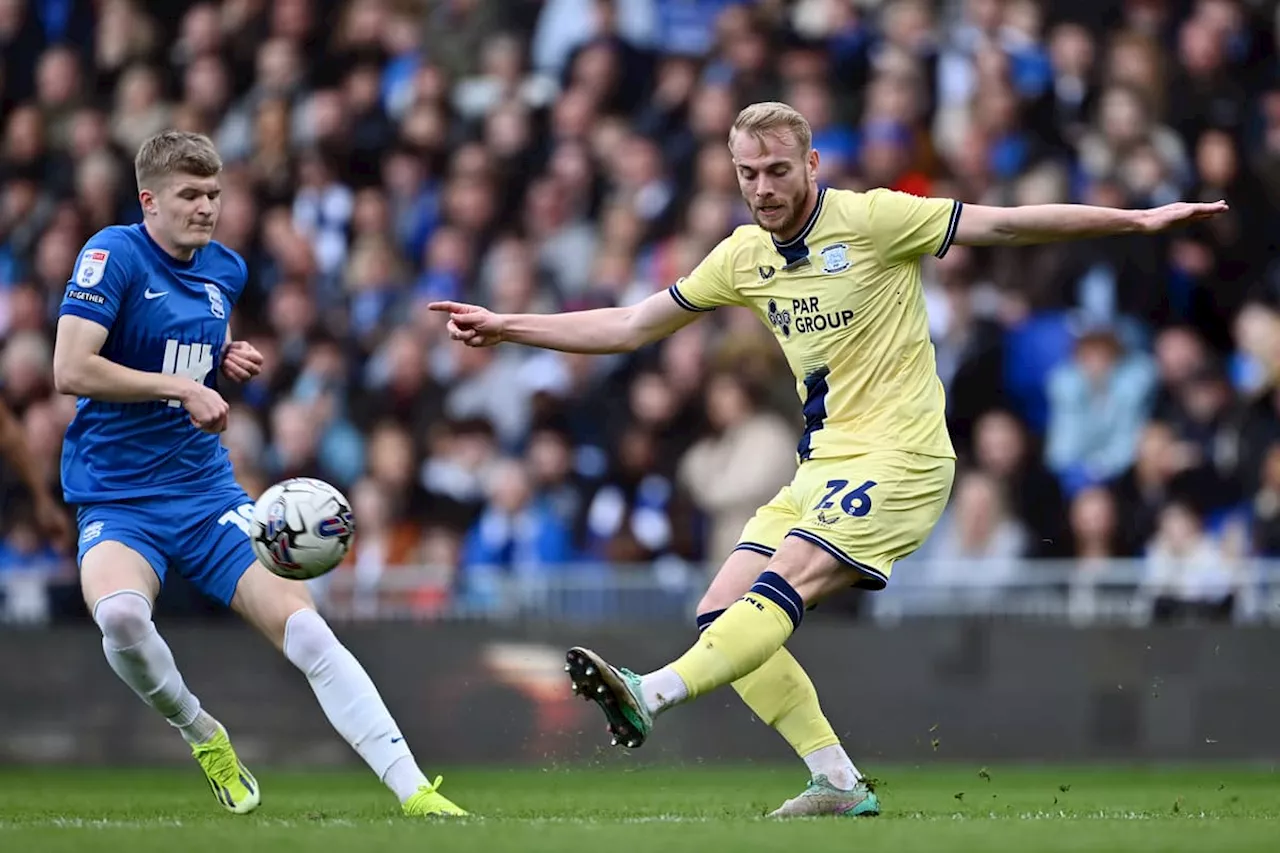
844,300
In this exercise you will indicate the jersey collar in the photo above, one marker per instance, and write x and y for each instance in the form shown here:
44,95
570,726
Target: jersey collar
796,250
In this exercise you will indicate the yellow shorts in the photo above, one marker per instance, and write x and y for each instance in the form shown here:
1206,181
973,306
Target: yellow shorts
867,511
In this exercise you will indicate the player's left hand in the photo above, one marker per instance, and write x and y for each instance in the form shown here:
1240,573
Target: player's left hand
52,521
1167,216
241,362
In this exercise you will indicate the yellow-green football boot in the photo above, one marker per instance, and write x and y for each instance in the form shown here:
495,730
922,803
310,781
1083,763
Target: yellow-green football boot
429,802
233,785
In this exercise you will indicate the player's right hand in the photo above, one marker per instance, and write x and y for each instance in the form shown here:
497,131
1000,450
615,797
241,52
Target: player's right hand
471,324
206,407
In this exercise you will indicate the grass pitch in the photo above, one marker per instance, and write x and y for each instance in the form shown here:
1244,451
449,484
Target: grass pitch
955,809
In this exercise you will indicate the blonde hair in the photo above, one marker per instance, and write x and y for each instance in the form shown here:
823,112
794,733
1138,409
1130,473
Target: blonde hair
771,117
172,152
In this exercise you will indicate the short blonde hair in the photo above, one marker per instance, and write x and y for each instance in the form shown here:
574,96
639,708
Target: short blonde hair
172,152
771,117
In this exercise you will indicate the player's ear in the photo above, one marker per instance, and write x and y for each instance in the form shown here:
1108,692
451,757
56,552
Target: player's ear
147,199
813,163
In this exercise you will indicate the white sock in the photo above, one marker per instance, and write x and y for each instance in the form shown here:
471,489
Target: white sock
351,702
404,778
661,689
142,659
833,762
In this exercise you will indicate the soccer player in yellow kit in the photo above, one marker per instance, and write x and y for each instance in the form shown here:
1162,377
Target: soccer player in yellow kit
835,275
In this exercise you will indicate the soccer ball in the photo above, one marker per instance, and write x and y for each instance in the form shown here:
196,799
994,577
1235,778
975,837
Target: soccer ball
302,528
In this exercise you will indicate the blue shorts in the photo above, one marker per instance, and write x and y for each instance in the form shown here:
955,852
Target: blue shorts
205,539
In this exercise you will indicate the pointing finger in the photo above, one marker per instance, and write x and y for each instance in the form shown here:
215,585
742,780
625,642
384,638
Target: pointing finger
450,307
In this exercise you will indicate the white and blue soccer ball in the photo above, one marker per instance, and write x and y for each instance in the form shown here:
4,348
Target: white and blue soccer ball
302,528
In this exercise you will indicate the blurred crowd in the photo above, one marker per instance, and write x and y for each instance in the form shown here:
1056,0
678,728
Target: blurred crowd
1108,399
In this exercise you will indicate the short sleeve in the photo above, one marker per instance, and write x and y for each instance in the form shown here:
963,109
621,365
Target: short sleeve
98,285
903,227
710,285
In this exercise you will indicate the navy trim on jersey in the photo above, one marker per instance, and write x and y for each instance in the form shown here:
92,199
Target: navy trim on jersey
873,579
754,547
951,230
808,225
814,410
796,250
683,302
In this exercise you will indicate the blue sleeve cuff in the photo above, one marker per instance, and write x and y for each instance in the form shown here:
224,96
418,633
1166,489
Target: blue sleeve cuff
87,311
951,230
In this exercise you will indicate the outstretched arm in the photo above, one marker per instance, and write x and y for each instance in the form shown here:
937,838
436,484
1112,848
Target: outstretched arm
598,331
981,225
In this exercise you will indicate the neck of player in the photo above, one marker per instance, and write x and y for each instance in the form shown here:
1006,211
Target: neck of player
178,253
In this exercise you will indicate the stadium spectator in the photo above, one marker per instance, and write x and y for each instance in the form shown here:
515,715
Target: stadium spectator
1095,526
978,526
1266,507
1098,403
968,346
1004,451
555,480
970,560
517,535
740,466
1189,576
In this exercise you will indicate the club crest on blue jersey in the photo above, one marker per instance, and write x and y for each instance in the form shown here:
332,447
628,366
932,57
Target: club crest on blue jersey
835,258
215,301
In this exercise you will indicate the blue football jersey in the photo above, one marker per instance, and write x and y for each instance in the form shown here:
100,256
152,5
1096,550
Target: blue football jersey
162,315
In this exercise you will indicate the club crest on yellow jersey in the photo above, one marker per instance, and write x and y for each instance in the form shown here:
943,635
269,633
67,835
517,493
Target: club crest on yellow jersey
835,258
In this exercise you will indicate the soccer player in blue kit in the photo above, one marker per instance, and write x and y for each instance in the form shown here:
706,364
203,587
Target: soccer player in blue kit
142,335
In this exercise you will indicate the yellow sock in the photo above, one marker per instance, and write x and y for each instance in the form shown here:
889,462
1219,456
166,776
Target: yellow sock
745,636
781,694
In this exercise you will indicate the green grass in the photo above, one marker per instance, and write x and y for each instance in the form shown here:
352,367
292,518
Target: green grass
953,809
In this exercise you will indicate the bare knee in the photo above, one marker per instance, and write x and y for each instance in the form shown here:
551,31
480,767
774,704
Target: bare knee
112,567
268,602
124,617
